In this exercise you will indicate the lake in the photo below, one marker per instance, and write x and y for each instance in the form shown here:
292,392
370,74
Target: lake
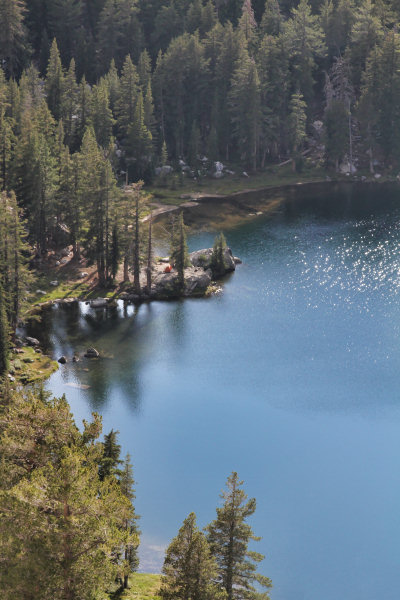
290,376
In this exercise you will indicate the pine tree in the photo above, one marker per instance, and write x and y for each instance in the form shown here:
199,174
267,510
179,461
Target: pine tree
83,112
115,252
136,248
101,118
273,67
110,461
7,139
306,43
128,93
139,141
179,255
112,80
368,105
339,96
297,125
194,146
245,109
149,255
144,70
13,42
4,335
366,32
272,19
336,132
15,275
49,487
65,19
229,537
189,570
217,257
35,172
131,557
247,22
69,105
54,81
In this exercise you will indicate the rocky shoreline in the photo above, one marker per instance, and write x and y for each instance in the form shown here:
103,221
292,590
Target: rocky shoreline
198,281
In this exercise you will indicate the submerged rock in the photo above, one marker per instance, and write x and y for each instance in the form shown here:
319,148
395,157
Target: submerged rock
99,303
91,353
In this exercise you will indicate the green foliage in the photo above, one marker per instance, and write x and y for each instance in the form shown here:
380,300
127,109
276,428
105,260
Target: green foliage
217,257
297,123
336,132
189,569
111,452
229,536
179,255
49,487
13,36
4,336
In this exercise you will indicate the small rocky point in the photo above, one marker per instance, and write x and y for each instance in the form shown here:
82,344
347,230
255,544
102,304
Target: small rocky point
198,277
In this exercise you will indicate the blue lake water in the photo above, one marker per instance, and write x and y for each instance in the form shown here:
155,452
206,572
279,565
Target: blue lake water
291,377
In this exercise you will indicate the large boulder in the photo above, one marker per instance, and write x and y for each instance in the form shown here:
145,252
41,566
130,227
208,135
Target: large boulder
203,258
31,341
196,281
166,285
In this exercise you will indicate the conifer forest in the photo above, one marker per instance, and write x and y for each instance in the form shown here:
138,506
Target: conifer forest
99,101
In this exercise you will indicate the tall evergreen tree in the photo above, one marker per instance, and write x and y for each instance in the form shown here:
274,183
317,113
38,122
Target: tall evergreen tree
131,557
69,105
50,488
13,38
189,570
110,460
306,43
65,19
54,81
297,125
4,335
179,255
245,109
229,536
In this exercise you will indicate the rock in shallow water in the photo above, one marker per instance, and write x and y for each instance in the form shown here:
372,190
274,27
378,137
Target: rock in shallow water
91,353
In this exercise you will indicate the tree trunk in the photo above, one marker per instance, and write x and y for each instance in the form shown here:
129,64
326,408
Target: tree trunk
149,256
136,258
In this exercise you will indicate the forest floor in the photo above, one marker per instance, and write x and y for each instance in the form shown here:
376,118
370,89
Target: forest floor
142,586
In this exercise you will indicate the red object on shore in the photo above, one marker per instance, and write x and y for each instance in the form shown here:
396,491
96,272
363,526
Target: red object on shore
168,269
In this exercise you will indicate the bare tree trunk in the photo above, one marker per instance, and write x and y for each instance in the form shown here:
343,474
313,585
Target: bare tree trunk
149,256
136,258
107,265
350,144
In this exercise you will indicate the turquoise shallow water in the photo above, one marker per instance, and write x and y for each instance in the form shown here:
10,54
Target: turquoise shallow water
290,377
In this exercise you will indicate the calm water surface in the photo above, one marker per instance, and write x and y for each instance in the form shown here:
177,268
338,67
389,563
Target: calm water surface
291,377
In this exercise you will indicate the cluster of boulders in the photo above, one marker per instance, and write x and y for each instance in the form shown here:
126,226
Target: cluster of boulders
198,276
205,167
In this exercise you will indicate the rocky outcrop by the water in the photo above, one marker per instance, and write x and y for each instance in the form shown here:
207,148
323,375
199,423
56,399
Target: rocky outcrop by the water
166,285
203,258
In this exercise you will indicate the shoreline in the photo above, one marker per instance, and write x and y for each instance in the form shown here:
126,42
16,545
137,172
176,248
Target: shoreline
191,205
